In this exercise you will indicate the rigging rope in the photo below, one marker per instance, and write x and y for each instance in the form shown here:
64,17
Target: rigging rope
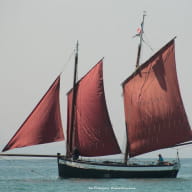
148,43
16,164
67,62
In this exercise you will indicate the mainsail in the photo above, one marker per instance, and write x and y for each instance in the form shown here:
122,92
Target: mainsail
43,125
93,134
154,111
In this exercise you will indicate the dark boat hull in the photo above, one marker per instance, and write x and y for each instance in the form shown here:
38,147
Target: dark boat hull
81,169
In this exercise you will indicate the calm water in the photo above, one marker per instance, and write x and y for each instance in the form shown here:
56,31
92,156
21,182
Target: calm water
31,175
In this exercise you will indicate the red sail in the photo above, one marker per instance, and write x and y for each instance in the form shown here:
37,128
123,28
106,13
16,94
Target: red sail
93,133
154,111
43,125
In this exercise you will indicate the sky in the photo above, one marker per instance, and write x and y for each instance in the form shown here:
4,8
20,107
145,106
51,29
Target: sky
37,41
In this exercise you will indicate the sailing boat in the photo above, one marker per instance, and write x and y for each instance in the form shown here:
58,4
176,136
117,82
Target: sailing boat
154,120
154,114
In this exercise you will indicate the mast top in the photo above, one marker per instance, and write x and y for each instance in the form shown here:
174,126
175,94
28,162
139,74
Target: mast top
141,40
77,47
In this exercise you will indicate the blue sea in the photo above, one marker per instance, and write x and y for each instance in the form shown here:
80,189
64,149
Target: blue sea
40,175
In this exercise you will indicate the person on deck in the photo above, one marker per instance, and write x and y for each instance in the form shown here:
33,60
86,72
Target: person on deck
75,154
160,160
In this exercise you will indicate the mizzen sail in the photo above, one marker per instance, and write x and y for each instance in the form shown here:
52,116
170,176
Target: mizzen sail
154,111
43,125
93,134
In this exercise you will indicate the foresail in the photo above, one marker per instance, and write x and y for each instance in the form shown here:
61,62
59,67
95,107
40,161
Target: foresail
93,133
43,125
154,111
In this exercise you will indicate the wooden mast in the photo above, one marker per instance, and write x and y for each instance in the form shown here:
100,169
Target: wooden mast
137,65
71,136
126,149
141,40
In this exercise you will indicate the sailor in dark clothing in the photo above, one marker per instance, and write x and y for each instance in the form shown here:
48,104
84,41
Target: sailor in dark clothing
75,154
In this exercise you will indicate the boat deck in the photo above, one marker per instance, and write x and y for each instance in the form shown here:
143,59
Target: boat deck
121,164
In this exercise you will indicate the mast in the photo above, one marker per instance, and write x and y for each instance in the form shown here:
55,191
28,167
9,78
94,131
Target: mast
137,65
70,145
141,40
126,149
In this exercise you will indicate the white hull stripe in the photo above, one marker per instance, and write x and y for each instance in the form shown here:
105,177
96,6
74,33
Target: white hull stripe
119,168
